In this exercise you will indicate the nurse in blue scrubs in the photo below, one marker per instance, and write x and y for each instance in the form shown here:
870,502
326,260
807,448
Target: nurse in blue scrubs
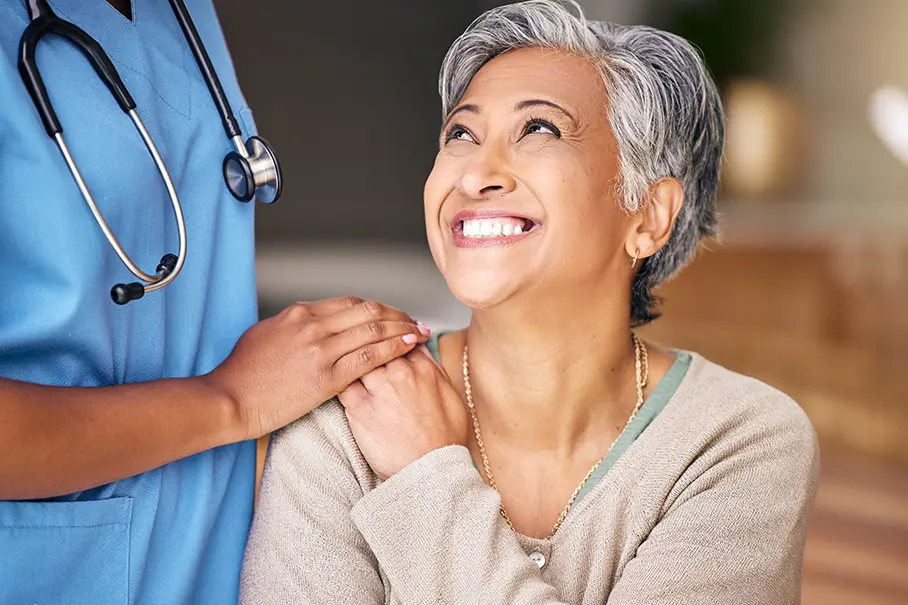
128,432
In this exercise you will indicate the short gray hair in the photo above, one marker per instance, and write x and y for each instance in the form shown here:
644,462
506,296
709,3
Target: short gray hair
665,112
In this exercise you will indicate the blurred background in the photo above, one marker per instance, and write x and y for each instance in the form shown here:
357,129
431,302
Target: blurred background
807,290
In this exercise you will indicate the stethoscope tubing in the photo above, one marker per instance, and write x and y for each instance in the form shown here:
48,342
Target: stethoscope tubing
258,168
162,278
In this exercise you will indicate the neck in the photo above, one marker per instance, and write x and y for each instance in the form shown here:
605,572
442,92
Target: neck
123,6
541,382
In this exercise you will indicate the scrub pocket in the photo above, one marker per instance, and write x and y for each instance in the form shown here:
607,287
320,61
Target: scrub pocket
65,552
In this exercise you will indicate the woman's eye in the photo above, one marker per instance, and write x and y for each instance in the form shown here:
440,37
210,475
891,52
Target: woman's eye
458,133
536,126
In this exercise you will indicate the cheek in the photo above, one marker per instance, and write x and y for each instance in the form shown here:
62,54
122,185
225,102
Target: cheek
585,219
559,181
437,187
439,183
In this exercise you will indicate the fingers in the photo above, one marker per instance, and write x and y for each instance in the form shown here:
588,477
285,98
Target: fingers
422,358
411,368
330,306
370,333
395,370
341,314
353,395
359,362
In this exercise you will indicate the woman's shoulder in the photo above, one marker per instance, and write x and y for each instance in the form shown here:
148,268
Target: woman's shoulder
322,438
325,423
730,407
720,389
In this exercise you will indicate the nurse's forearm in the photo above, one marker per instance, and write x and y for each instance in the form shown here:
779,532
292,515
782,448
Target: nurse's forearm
60,440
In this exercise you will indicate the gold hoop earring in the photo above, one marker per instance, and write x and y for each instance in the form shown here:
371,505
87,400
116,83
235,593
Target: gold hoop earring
636,255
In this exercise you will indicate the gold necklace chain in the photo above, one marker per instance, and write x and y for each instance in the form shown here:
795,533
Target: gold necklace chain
642,374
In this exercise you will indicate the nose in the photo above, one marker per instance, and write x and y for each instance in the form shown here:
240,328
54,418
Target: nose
487,173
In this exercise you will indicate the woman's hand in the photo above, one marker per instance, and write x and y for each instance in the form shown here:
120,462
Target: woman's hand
287,365
404,410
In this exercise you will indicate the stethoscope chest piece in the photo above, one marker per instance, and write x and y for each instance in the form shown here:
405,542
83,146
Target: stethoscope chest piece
252,171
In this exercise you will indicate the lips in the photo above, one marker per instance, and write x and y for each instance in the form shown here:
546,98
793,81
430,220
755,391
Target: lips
491,227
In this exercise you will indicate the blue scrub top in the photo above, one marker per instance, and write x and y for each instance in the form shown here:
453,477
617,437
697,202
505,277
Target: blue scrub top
175,534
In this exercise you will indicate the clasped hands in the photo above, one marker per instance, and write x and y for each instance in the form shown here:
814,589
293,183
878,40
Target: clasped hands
404,410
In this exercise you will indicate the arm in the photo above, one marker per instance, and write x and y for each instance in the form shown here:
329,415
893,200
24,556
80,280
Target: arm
303,548
433,526
436,531
733,533
59,440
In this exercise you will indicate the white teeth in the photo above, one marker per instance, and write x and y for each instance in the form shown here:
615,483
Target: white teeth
485,228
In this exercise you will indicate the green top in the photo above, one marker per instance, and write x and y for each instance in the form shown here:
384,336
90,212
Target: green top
645,415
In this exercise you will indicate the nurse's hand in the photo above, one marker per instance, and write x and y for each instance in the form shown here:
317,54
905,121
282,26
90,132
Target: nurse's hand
291,363
403,411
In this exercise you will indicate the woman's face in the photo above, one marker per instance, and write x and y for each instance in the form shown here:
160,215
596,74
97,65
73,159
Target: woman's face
521,199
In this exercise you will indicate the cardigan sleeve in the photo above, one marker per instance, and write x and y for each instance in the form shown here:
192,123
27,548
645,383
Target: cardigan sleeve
437,533
735,529
303,547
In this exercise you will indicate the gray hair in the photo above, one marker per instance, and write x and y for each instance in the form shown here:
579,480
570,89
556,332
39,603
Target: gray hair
664,109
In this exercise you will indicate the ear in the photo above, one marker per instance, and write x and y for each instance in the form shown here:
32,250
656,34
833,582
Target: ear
654,223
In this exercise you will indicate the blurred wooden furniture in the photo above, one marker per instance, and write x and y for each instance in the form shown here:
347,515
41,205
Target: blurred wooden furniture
857,544
824,319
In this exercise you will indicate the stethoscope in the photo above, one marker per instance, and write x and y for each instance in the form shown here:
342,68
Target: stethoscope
250,171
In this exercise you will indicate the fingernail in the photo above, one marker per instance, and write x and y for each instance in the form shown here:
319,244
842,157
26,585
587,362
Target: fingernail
410,338
423,329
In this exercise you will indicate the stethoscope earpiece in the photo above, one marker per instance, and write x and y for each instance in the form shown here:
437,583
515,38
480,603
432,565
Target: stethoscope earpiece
124,293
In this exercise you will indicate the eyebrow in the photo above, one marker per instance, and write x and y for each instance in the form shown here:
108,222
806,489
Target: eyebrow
521,106
469,108
543,103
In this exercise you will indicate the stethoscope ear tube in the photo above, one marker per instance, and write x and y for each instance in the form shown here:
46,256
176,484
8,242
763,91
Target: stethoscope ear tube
45,21
250,171
161,279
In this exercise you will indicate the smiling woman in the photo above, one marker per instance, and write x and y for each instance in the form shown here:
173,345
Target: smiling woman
546,454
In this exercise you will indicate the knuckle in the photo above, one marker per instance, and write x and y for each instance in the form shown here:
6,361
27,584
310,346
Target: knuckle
419,361
298,310
376,329
310,330
371,308
366,356
401,369
351,301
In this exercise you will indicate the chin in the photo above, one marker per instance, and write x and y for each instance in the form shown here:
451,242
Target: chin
478,293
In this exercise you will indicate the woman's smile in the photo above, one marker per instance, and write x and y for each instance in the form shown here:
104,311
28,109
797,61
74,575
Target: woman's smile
491,227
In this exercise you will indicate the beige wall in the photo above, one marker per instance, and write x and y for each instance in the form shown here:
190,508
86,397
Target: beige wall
838,52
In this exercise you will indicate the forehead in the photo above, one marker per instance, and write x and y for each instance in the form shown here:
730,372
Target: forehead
550,74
